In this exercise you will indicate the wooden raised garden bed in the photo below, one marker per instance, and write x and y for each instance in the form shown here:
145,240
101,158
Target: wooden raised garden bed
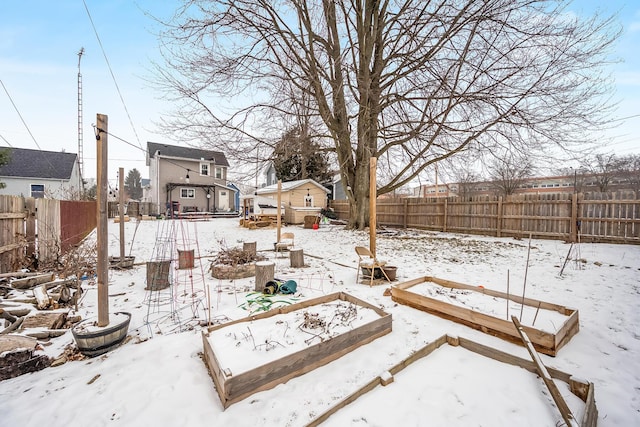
448,301
288,356
469,400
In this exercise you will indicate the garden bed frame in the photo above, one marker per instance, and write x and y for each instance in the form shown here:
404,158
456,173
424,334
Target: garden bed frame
544,342
234,388
584,390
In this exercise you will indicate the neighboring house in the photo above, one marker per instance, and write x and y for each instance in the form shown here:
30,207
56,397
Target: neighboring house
189,179
338,189
300,198
37,173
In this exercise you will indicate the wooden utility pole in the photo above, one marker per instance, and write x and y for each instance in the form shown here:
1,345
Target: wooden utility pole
373,193
102,264
121,211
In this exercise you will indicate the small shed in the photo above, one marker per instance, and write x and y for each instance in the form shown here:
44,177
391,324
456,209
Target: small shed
300,198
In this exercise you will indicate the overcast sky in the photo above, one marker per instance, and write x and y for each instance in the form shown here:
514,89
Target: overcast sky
39,44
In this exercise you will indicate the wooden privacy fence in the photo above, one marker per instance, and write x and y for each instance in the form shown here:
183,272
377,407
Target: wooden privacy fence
593,217
133,209
41,229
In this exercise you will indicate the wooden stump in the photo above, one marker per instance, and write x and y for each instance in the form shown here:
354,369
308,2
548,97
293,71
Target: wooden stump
249,247
264,273
296,257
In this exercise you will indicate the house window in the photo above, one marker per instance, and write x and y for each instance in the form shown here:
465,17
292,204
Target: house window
187,193
204,169
308,201
223,193
218,173
37,191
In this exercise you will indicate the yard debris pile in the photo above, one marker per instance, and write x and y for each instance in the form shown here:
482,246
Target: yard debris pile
34,308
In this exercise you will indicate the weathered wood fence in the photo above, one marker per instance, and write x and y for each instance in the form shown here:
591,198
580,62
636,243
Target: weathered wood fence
592,217
41,229
133,209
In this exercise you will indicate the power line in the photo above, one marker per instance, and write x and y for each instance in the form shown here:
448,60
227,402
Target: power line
5,140
24,123
19,115
104,53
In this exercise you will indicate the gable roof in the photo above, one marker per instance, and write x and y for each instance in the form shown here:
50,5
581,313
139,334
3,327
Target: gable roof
26,163
290,185
166,150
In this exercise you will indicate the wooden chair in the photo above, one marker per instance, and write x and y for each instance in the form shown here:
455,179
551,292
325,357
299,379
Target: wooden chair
369,261
286,242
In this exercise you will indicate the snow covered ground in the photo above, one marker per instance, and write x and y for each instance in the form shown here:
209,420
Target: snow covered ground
158,377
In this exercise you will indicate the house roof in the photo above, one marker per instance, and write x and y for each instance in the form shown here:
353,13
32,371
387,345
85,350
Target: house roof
26,163
290,185
165,150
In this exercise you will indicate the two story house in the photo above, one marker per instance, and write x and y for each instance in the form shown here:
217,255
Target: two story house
38,173
185,179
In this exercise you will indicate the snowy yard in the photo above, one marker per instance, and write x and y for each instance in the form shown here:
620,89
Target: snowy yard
158,377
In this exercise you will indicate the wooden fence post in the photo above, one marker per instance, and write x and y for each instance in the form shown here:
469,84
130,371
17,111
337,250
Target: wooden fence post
30,227
499,219
574,218
444,220
405,212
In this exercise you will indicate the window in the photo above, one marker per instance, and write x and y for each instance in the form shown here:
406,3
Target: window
223,193
204,169
219,173
187,193
37,191
308,201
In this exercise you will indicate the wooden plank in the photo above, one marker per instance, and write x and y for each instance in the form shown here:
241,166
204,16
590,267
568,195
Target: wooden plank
30,282
214,368
474,319
546,377
12,215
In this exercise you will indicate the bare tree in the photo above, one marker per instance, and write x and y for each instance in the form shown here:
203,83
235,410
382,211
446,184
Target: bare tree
603,168
631,171
409,82
508,173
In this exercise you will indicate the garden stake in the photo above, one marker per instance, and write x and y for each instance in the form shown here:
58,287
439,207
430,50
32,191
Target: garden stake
507,294
524,286
536,316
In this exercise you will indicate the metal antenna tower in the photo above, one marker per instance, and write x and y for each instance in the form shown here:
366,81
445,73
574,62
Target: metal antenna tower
80,138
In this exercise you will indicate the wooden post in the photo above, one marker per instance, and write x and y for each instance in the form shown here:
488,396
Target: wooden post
373,193
548,380
30,226
296,258
499,219
405,211
279,217
121,211
249,247
574,218
102,263
264,273
444,220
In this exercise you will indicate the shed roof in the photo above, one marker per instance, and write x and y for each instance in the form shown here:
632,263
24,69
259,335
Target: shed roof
291,185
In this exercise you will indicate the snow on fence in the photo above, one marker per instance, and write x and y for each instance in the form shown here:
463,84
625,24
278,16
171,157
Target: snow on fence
592,217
